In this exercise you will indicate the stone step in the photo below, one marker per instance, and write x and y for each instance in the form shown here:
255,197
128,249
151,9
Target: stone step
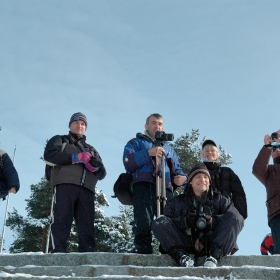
103,265
99,271
117,259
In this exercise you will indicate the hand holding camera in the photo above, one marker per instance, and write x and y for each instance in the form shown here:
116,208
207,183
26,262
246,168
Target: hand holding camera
272,140
191,219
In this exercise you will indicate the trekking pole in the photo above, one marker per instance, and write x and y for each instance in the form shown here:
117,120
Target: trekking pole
6,213
49,229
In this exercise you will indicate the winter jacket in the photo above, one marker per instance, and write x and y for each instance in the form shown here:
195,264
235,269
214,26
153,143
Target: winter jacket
179,207
140,164
8,174
63,171
182,211
227,182
268,175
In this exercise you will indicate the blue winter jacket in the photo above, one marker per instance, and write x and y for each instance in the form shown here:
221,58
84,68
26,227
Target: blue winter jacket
10,175
139,163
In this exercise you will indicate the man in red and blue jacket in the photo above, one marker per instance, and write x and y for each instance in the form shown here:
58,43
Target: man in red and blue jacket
139,160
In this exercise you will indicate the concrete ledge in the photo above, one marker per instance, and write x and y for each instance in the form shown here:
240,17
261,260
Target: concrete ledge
245,272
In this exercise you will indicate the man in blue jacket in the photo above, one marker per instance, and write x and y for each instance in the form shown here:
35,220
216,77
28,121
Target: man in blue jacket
9,181
139,160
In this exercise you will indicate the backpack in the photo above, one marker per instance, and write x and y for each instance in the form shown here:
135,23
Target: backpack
123,189
49,165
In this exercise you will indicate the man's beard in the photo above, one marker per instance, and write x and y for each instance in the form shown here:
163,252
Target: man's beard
276,160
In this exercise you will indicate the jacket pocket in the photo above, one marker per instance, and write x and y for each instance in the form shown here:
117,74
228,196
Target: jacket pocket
273,203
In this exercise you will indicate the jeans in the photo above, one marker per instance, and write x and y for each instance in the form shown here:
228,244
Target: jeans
145,207
275,231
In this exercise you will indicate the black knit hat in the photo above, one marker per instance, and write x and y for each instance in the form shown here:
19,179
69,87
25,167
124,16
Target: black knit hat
78,117
208,142
200,168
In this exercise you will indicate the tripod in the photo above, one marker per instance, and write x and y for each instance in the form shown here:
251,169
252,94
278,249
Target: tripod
160,181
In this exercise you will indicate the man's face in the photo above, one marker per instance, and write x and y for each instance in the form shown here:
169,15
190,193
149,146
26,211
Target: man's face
153,126
200,183
78,127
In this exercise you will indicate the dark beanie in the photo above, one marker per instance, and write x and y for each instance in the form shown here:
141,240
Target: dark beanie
78,117
200,168
208,142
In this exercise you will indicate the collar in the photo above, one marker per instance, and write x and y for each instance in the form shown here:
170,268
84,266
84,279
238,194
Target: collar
76,138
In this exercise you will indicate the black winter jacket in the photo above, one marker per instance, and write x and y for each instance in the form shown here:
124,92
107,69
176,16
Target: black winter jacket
179,207
228,183
63,171
8,173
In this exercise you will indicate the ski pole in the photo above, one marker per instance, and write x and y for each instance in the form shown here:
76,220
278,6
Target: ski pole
6,213
49,229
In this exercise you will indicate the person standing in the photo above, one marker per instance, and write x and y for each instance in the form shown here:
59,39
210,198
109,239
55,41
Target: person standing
76,168
224,180
268,175
139,159
9,180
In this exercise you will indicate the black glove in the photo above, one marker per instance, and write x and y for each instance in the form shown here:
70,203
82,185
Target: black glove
95,162
190,220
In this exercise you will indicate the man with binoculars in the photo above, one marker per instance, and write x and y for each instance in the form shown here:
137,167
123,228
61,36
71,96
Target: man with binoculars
268,175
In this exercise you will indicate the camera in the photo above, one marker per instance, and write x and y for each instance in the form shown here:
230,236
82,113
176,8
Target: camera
273,136
275,145
201,223
162,136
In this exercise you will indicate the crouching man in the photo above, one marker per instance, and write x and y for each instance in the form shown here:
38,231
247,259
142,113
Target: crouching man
198,223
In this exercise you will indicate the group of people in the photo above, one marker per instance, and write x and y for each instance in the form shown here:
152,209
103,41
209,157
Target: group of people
203,221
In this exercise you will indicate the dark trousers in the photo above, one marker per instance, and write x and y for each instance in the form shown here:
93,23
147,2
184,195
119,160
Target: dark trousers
223,237
144,203
275,231
72,201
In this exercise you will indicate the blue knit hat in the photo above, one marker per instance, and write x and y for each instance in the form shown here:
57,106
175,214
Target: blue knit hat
78,117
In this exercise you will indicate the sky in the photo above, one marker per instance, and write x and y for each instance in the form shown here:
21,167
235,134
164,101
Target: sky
207,65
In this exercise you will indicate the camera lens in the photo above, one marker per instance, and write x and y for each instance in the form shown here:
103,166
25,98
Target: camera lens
201,223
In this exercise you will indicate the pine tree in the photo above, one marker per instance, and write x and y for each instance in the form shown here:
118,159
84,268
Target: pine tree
31,232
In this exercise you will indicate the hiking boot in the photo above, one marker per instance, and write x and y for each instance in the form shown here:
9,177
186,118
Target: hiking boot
182,258
186,261
210,262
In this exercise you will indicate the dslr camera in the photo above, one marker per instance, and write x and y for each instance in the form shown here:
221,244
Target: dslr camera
161,137
275,145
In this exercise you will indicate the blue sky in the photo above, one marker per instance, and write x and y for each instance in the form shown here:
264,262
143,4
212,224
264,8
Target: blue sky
212,65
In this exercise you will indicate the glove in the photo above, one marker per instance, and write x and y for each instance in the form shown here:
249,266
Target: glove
83,157
90,168
95,162
190,220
